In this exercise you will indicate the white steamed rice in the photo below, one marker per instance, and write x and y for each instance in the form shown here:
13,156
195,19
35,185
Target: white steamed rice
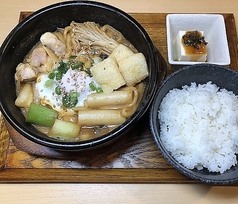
199,126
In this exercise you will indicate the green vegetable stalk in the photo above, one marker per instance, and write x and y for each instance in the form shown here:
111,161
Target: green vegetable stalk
64,129
40,115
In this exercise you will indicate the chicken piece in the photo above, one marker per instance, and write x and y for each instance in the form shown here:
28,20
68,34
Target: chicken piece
25,73
40,60
38,57
49,40
47,67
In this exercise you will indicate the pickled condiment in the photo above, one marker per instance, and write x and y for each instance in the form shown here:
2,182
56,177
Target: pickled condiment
191,46
194,42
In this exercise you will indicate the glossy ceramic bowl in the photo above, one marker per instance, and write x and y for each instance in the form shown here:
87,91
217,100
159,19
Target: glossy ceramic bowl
201,73
214,30
25,35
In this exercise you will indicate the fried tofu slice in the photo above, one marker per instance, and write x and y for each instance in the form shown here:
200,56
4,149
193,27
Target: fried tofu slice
133,68
25,97
107,75
121,52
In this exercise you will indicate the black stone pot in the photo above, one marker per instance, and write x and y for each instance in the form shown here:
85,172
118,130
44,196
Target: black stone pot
27,33
202,73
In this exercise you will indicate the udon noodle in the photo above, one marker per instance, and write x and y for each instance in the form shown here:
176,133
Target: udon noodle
80,81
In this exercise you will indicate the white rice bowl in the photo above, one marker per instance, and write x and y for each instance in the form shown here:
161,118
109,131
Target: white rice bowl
198,126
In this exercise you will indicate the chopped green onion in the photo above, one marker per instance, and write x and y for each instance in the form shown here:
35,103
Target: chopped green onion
66,100
63,68
70,100
72,56
51,75
74,94
88,72
49,84
93,87
58,75
59,71
57,90
99,90
76,65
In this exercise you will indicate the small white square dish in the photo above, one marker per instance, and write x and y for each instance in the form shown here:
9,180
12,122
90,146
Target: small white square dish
214,32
